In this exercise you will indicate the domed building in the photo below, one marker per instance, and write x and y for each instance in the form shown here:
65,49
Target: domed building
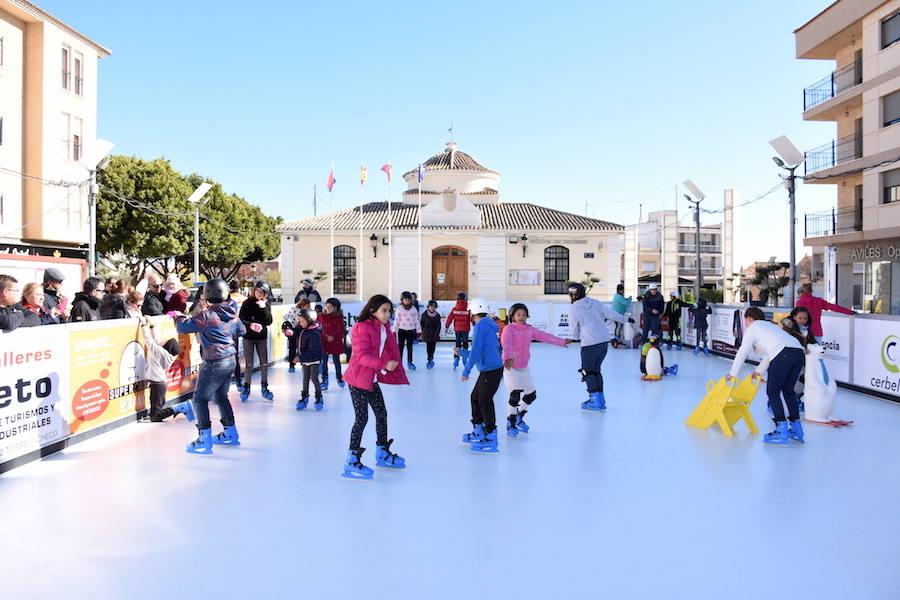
468,241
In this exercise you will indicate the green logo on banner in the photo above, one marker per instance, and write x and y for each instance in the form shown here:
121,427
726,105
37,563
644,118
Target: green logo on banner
888,349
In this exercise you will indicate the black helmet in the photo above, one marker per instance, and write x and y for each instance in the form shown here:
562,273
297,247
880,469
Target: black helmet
576,291
334,302
512,311
262,285
216,291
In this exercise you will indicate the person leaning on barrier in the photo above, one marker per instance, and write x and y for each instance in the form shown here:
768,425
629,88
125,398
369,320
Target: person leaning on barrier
54,302
11,315
153,304
33,306
87,302
112,306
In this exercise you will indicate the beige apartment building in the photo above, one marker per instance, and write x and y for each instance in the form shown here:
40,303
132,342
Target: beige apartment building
471,242
860,237
48,128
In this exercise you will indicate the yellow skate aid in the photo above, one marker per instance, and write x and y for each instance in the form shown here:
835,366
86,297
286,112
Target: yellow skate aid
726,405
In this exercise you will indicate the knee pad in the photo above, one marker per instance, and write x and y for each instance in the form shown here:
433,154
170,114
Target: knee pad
585,375
515,397
530,397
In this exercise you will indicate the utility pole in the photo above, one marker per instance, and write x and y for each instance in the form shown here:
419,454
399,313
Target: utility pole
791,182
699,279
92,217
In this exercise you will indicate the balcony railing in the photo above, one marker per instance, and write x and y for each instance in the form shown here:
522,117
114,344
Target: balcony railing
831,222
704,248
833,154
840,80
711,271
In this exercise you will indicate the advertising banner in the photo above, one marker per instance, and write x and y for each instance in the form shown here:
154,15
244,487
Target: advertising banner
876,355
33,390
836,341
726,329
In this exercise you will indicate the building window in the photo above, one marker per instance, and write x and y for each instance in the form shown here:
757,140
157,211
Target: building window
66,71
1,51
556,270
648,267
65,130
890,183
2,211
890,30
78,65
890,108
77,140
344,270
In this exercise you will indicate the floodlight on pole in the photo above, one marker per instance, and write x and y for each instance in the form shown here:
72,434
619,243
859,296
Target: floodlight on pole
197,200
98,160
699,195
790,159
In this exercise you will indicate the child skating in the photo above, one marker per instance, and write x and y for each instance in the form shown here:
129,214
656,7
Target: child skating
407,327
485,355
701,325
334,331
672,314
462,324
376,360
287,327
309,354
587,319
159,359
216,322
620,304
256,314
783,358
516,343
431,330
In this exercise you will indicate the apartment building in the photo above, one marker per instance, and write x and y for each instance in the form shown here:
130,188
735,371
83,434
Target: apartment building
48,128
859,239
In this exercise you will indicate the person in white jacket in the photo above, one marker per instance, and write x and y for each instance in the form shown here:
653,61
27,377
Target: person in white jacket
783,358
587,319
160,357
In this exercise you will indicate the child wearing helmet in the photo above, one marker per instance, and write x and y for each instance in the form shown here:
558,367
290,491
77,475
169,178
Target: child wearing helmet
256,314
485,354
672,314
515,341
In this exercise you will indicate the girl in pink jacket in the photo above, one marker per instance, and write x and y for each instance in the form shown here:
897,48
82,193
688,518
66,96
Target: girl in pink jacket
516,341
375,359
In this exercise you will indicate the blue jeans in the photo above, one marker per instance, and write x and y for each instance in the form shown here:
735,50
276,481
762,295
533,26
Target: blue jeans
652,325
323,367
212,384
784,371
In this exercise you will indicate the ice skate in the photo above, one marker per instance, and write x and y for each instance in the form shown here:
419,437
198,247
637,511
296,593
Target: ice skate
341,384
324,384
779,437
511,429
706,350
412,366
487,444
228,437
429,364
673,370
596,402
455,361
696,350
267,394
520,423
186,409
353,467
203,443
795,430
245,392
476,436
302,403
320,404
385,458
292,369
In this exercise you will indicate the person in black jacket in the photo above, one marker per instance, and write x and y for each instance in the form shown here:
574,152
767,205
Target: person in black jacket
654,305
308,333
87,302
308,292
54,302
11,316
153,305
113,304
431,330
256,314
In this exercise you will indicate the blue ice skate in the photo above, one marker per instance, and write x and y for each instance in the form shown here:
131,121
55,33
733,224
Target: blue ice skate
203,443
488,444
596,402
185,408
678,346
412,366
455,361
476,436
429,364
325,384
228,437
780,437
696,350
302,403
796,431
267,394
292,369
385,458
520,423
706,350
245,392
673,370
353,467
320,404
341,384
511,429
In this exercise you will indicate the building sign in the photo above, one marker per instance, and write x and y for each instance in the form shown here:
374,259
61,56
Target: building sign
557,241
441,278
887,250
524,277
876,362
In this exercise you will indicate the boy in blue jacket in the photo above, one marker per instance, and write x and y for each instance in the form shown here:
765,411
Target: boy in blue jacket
216,323
485,355
308,333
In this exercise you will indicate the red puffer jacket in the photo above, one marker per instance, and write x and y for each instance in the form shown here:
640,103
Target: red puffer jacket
332,327
366,364
459,316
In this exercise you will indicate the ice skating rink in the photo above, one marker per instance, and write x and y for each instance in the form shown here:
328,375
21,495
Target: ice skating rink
629,503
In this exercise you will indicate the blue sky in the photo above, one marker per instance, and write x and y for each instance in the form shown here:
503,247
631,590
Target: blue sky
607,103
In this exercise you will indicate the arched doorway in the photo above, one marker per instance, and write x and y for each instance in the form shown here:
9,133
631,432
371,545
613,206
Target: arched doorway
449,272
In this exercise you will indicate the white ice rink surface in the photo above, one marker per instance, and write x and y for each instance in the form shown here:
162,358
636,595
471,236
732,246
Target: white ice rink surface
629,503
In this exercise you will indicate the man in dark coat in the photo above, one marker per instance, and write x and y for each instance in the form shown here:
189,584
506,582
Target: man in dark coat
87,302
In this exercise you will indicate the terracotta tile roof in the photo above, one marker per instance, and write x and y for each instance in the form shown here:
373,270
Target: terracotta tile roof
513,216
452,159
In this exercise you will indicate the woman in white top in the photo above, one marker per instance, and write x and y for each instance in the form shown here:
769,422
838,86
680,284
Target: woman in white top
783,357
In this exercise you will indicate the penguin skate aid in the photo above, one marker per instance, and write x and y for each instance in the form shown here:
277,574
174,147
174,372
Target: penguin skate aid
516,344
587,320
216,324
653,363
485,355
375,360
782,359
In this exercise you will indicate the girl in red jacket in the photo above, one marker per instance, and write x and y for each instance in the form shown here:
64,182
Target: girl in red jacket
376,359
333,332
462,323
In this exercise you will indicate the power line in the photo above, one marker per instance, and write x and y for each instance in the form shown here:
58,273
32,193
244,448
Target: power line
745,203
56,183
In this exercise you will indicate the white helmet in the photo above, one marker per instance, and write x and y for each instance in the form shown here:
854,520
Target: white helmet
674,293
479,306
653,286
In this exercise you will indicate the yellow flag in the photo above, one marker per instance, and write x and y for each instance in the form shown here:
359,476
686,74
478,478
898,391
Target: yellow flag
363,174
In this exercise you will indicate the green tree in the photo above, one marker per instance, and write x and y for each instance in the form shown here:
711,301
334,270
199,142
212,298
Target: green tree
771,279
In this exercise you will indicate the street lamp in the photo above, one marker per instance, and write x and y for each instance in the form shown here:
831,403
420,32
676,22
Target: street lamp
791,158
524,239
197,200
373,241
693,189
99,159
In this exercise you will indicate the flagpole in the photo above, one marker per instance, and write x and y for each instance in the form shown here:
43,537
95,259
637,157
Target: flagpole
419,178
332,232
362,259
390,244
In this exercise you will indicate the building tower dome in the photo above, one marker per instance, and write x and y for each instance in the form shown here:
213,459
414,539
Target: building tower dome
453,170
